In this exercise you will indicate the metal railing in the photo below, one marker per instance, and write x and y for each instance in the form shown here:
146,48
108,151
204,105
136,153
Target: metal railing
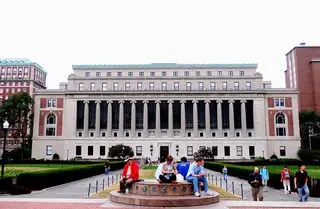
218,181
104,183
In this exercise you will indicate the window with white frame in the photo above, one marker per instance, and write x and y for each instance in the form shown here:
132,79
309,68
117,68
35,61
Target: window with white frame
51,103
151,86
87,74
109,74
164,86
130,74
280,124
239,151
188,86
279,102
186,73
92,86
175,73
164,73
176,86
190,150
248,85
224,86
49,150
141,74
200,86
119,74
219,73
51,125
282,151
230,73
127,86
241,73
138,150
139,86
236,86
115,86
98,74
212,86
209,73
104,86
81,87
152,74
197,73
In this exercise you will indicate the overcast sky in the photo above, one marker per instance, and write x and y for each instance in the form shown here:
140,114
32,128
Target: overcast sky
57,34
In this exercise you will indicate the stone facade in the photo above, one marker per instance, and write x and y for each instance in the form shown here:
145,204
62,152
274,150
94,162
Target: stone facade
176,110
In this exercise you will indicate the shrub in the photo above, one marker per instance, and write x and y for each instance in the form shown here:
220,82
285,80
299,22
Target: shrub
38,180
55,156
308,155
16,190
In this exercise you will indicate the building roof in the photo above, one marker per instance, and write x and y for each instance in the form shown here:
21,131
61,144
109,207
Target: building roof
167,66
301,46
20,62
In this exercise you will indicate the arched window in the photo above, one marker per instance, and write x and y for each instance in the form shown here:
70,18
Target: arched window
280,120
51,125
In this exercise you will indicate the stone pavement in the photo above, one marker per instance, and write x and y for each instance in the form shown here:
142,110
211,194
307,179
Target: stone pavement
75,189
271,195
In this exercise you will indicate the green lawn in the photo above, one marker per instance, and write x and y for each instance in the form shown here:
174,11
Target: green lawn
43,165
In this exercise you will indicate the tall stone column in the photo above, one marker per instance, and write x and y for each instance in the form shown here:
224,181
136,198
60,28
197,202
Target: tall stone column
207,117
86,119
243,118
133,118
158,130
195,117
219,117
183,118
231,118
97,118
170,116
121,118
145,119
109,122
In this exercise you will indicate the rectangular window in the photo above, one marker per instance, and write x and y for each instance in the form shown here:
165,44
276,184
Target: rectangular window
92,86
252,151
226,151
175,73
130,74
236,85
224,86
279,102
138,150
127,86
151,86
200,86
282,151
248,85
186,73
219,73
164,86
152,74
141,74
102,150
209,73
87,74
281,131
109,74
50,131
212,86
119,74
230,73
115,86
90,150
81,88
239,150
139,86
215,150
52,103
188,86
190,150
197,73
164,73
241,73
176,86
49,150
98,74
104,87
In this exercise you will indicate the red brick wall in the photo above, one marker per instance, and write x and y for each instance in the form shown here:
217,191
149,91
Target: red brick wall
270,102
289,121
42,121
60,103
43,103
271,122
288,102
286,75
315,67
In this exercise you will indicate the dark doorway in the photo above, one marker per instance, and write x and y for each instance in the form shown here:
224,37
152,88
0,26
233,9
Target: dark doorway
164,152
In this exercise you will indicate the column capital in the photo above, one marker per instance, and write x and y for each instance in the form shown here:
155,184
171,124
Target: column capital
243,101
195,101
207,101
109,101
170,101
145,101
182,101
231,101
98,101
219,101
86,101
121,101
133,101
158,101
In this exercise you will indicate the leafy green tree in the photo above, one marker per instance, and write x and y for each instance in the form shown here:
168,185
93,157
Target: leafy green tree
17,110
205,152
309,125
120,151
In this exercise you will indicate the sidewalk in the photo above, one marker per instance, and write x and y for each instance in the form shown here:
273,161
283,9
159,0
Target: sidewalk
271,195
75,189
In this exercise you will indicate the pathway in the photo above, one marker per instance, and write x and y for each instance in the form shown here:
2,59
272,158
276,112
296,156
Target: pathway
271,195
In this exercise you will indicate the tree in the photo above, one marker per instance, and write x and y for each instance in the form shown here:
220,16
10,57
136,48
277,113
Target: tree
309,125
17,110
204,152
120,151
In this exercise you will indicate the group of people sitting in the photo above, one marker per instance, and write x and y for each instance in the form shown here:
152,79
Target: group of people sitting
169,172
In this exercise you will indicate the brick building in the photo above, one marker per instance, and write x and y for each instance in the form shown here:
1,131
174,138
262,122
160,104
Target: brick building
19,75
303,73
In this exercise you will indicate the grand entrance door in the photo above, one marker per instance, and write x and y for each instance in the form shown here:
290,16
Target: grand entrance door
164,152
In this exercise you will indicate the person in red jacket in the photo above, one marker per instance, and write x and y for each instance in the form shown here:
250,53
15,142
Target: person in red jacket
285,179
130,174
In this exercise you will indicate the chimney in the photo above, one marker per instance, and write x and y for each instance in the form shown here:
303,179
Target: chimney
302,44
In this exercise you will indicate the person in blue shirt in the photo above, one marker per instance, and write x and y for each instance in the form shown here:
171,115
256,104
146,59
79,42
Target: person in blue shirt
265,177
183,167
197,174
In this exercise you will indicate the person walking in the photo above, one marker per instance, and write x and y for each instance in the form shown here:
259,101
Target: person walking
285,179
255,180
225,173
265,177
107,167
301,183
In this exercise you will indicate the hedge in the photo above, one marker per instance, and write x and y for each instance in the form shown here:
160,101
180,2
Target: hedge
243,173
37,180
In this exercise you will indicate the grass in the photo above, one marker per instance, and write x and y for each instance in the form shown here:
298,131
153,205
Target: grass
43,165
147,172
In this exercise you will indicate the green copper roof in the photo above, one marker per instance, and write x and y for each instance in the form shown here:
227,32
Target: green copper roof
167,66
20,62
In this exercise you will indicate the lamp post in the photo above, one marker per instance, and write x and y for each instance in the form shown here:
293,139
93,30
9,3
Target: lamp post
310,132
177,149
151,149
5,128
67,154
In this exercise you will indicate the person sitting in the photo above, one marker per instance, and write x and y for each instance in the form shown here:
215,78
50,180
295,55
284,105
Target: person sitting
168,171
130,174
158,172
197,174
183,167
